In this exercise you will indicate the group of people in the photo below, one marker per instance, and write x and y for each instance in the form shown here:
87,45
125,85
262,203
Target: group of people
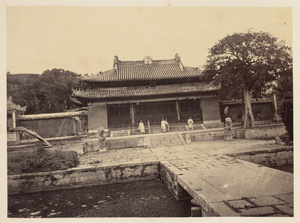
165,125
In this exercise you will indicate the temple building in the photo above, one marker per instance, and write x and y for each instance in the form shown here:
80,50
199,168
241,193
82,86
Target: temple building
13,113
148,90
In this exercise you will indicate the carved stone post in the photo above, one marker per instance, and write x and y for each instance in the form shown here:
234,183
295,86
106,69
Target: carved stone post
228,134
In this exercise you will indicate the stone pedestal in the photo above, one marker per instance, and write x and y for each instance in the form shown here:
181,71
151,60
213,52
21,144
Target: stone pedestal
103,146
13,137
248,134
228,134
188,138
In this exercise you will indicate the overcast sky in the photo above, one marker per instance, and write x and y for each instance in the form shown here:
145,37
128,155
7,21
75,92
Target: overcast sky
86,39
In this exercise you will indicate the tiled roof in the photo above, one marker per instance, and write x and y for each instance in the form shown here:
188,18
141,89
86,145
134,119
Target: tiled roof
138,70
12,106
75,100
52,115
144,91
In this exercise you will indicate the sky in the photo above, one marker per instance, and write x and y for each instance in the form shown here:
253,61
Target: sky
86,39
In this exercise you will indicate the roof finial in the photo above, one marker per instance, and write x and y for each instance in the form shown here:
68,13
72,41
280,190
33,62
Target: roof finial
177,57
116,63
178,60
147,60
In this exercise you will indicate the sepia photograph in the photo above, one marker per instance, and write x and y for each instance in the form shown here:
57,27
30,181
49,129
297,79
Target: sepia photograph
146,111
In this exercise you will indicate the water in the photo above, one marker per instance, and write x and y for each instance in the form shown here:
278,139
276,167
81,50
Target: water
285,168
149,198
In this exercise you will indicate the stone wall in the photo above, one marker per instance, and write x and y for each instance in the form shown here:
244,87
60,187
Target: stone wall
277,157
170,180
55,127
261,132
261,111
204,136
82,177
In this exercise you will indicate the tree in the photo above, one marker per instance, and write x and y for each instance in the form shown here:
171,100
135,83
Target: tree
23,92
285,93
54,88
44,93
243,63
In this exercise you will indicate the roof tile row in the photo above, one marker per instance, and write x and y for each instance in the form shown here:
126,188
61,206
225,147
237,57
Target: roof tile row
137,70
144,91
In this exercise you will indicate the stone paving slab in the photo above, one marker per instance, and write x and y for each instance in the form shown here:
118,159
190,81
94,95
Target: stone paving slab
224,210
262,211
286,209
240,204
289,198
267,201
211,177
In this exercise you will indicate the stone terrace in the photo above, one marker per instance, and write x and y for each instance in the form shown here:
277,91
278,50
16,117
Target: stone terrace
222,185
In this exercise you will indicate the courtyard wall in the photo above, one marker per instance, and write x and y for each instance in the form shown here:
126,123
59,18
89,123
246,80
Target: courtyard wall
55,124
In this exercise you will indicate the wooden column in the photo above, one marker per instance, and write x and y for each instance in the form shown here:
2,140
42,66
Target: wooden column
132,114
178,110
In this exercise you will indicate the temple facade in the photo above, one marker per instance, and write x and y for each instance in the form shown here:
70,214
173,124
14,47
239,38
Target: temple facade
148,90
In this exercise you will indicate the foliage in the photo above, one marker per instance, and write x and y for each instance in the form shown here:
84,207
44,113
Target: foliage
41,161
285,94
54,90
44,93
243,63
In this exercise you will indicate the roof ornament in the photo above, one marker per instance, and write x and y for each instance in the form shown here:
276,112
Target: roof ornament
147,60
11,106
178,60
177,57
116,63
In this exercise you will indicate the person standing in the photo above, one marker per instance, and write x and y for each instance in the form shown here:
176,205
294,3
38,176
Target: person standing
190,123
142,127
163,125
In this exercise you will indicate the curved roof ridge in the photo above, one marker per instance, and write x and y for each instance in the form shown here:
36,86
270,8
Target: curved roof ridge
141,62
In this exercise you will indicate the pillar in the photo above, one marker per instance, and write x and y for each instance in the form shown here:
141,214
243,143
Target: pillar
274,100
14,119
132,114
178,111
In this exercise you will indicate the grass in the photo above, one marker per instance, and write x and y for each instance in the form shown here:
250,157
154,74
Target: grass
40,160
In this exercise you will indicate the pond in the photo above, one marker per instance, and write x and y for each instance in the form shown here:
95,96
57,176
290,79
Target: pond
285,168
136,199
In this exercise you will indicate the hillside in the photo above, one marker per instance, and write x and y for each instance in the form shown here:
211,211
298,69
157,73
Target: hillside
20,78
